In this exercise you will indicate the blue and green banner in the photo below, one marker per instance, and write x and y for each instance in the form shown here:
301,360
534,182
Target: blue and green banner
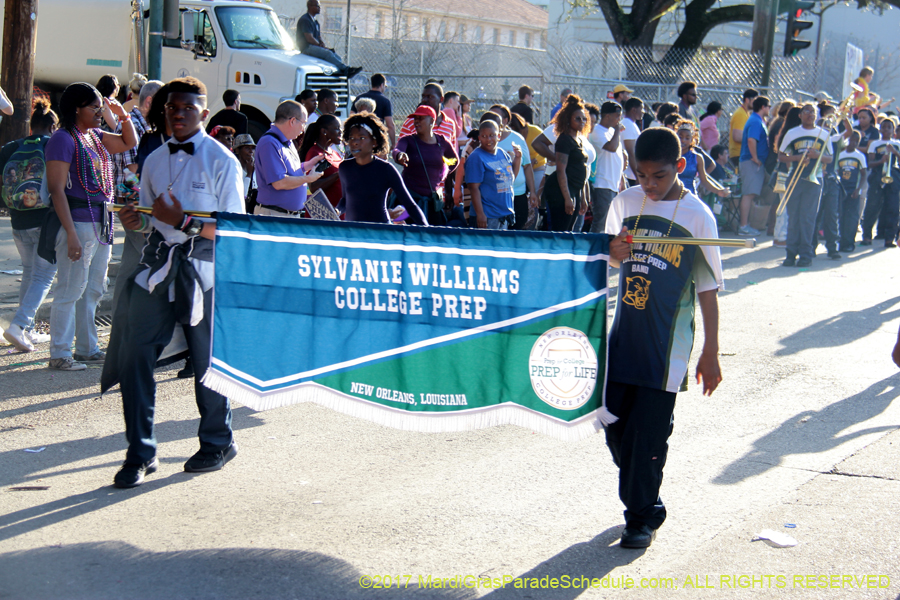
425,329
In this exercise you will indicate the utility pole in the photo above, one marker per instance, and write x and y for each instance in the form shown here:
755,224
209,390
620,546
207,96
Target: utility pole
765,16
347,45
19,38
154,40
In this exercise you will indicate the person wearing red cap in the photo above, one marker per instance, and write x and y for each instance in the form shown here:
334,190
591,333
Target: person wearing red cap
426,159
432,96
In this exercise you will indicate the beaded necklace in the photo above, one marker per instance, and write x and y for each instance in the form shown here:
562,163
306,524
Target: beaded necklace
102,174
672,222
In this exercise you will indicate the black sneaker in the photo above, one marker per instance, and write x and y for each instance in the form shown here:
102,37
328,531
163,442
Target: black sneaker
132,474
204,462
804,262
353,72
834,255
866,243
640,536
789,262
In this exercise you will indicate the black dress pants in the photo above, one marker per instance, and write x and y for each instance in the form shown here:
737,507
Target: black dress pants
151,322
638,442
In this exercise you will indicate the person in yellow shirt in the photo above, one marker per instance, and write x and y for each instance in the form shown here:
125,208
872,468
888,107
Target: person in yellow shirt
867,97
738,120
864,98
538,162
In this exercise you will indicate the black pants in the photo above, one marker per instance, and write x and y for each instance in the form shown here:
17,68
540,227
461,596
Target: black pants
520,205
849,217
559,219
882,206
827,219
151,321
638,442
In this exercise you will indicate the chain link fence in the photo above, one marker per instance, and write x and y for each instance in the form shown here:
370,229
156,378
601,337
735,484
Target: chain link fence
490,74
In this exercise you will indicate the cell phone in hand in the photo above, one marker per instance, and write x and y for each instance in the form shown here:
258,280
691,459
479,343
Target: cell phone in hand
321,166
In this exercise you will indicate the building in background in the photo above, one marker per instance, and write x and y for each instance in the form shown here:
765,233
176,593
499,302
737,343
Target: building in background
513,23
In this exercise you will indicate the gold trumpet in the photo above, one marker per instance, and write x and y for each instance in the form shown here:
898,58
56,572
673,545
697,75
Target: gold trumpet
886,178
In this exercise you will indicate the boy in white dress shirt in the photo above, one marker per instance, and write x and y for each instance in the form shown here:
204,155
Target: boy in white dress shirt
173,284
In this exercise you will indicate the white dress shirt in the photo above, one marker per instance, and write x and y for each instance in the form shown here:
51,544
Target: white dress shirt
209,180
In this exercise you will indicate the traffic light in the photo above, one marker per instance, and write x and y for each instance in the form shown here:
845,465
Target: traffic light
795,25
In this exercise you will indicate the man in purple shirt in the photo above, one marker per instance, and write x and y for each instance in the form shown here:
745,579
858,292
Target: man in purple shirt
281,176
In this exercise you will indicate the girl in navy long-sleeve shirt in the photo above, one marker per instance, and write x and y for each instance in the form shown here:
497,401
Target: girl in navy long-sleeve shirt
367,179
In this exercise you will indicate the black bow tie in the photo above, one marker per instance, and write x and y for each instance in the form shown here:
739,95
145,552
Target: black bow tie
188,147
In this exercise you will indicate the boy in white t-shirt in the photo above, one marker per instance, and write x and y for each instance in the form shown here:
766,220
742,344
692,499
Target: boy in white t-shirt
653,329
606,138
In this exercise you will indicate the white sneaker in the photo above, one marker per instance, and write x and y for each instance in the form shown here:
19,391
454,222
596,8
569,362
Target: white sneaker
747,230
66,364
37,337
18,338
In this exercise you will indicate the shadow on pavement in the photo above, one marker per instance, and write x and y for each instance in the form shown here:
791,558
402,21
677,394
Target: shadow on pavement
117,570
769,261
20,467
811,432
592,560
841,329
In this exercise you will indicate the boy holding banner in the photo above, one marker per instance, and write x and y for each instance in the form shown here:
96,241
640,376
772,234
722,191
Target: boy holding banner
652,333
173,284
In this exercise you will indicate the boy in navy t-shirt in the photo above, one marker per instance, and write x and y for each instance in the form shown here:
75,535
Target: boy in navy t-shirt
851,172
653,329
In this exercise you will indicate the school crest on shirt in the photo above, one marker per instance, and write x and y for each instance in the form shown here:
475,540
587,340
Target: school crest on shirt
563,368
637,292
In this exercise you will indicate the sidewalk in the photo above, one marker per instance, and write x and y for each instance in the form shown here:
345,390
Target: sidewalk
9,284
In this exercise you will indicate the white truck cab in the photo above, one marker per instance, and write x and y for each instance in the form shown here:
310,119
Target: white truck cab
243,46
234,44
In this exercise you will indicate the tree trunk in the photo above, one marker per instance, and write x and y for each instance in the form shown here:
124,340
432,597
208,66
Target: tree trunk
19,37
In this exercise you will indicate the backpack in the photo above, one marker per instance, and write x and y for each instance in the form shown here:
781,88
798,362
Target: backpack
23,183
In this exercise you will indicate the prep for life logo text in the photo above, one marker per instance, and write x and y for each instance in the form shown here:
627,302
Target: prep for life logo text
563,368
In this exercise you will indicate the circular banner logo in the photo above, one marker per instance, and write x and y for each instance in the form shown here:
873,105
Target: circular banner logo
563,368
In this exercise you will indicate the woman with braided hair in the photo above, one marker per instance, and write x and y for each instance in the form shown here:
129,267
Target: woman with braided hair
81,181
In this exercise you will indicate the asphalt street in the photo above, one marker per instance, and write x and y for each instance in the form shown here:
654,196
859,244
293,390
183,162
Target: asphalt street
800,438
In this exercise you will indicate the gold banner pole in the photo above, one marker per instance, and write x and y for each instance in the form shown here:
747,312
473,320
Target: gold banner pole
647,239
148,211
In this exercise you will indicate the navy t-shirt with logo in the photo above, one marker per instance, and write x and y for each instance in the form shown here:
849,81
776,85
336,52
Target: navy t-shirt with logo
652,333
849,166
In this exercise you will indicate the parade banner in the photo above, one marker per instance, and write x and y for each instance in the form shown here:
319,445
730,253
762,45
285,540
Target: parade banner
424,329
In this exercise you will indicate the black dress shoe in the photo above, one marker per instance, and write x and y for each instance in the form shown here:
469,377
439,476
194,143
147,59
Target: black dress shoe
353,72
132,474
834,255
640,536
866,243
204,462
188,371
804,262
789,262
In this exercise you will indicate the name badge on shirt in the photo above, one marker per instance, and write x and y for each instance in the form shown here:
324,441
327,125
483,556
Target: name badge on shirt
198,185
